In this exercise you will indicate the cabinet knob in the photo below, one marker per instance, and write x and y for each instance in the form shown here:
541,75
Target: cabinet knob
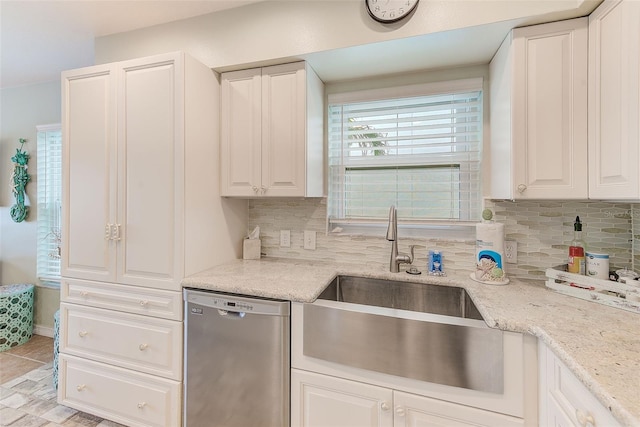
81,387
263,190
143,346
585,419
84,293
144,303
522,188
142,405
384,406
255,189
82,334
400,411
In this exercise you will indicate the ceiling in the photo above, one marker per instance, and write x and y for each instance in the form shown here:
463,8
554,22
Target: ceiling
39,39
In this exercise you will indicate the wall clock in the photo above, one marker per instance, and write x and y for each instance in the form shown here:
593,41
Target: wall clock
388,11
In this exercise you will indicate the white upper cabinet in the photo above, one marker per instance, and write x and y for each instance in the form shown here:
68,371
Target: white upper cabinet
272,132
140,158
538,144
614,100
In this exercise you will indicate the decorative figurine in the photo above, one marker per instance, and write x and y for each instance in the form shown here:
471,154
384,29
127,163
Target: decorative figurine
19,180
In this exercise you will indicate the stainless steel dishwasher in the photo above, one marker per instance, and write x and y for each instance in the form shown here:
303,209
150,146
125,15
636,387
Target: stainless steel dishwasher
236,361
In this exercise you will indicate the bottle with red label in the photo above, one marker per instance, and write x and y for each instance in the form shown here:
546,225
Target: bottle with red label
577,249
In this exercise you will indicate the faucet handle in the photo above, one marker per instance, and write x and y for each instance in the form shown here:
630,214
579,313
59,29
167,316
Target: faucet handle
411,248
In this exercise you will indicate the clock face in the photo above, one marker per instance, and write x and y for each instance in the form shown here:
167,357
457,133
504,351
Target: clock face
387,11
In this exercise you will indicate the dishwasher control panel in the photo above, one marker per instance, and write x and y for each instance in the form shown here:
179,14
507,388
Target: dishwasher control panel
232,303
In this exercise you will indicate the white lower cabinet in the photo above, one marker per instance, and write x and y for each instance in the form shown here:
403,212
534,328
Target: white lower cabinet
142,343
121,395
324,401
564,400
121,352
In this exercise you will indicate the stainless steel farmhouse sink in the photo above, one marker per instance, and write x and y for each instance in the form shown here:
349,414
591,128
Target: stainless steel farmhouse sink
420,331
419,297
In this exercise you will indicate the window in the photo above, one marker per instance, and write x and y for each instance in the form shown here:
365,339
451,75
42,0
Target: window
49,202
416,147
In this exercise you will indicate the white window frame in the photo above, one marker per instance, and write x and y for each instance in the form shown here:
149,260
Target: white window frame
49,199
451,229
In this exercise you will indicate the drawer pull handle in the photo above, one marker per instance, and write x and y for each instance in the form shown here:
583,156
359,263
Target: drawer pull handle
142,405
144,303
143,347
585,419
400,411
81,387
84,293
83,334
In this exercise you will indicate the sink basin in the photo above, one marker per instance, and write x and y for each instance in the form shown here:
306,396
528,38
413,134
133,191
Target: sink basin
413,330
419,297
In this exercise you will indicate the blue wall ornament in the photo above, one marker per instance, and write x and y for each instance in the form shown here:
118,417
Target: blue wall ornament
19,180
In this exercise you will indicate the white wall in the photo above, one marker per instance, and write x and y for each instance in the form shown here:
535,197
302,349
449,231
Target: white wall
274,30
21,110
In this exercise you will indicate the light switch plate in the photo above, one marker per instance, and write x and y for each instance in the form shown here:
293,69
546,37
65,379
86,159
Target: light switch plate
285,238
511,251
310,240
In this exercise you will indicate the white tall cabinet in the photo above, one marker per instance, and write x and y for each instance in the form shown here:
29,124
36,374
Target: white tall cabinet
272,132
538,113
141,211
614,100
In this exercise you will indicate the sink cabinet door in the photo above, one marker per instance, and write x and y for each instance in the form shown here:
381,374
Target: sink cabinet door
324,401
410,410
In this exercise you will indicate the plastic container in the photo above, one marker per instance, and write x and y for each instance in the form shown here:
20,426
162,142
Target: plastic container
597,265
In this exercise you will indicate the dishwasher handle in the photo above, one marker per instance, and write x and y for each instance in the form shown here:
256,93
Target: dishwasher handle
231,314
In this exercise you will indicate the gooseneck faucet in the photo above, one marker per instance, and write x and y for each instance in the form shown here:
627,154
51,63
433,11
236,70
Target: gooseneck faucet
392,236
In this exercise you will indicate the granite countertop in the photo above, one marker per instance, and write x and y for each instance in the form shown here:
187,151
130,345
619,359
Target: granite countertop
600,344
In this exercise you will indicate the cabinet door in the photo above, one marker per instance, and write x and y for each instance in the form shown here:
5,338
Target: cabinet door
142,343
550,111
564,399
120,395
89,173
284,116
150,136
614,100
417,411
324,401
241,133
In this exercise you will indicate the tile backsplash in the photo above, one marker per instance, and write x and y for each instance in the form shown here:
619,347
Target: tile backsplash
542,229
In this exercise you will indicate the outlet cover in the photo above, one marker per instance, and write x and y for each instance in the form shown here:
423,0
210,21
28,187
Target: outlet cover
285,238
310,240
511,251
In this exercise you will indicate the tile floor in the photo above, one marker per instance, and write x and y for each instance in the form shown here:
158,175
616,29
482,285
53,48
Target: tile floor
27,396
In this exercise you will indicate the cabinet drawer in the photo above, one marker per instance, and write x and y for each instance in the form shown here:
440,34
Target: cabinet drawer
142,343
130,299
573,397
118,394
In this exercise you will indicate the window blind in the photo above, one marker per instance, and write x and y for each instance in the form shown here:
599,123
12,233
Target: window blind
420,151
49,202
